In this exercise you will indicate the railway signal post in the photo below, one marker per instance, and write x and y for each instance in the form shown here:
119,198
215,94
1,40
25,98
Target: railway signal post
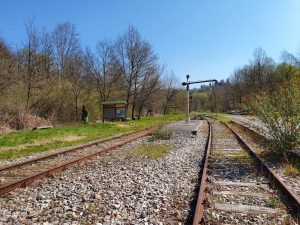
187,84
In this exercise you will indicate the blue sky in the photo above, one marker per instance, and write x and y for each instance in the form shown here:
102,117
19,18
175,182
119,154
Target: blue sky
206,39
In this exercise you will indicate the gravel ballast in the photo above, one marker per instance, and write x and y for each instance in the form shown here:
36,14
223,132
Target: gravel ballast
235,186
292,180
117,188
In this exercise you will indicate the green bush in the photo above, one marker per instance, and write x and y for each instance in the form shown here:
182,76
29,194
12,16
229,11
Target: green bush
161,134
280,113
196,116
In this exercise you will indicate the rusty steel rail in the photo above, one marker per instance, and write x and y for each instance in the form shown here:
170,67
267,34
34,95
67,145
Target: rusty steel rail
71,149
292,154
254,133
199,211
28,180
289,195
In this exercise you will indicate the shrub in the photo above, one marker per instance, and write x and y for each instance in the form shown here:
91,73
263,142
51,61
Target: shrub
25,120
4,129
196,116
280,113
161,134
21,119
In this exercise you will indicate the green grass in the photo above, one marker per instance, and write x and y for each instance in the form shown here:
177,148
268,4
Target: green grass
273,203
212,218
222,201
220,116
225,117
152,151
18,144
250,197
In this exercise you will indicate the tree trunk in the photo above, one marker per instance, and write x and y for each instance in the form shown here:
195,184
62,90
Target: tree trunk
132,111
128,95
76,109
140,112
28,95
165,109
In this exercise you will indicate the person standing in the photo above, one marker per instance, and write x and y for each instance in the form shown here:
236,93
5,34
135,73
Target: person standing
84,115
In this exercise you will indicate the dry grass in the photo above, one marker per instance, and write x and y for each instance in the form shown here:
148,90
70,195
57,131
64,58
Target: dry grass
21,120
152,151
4,129
290,170
25,120
122,125
161,134
66,138
69,138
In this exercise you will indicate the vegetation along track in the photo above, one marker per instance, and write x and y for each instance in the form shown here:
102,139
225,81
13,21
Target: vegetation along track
233,189
24,173
289,185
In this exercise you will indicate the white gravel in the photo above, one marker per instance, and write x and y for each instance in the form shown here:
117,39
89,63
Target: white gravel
114,189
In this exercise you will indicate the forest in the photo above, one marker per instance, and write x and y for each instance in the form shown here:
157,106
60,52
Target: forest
262,76
52,75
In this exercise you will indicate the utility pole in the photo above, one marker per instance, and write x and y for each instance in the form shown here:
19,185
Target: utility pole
188,99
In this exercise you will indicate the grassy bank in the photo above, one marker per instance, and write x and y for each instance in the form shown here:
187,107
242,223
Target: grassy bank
17,144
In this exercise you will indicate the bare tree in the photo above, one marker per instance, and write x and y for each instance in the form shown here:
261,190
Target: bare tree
66,43
30,59
170,88
106,72
74,68
7,67
288,68
47,52
134,56
149,84
257,76
261,69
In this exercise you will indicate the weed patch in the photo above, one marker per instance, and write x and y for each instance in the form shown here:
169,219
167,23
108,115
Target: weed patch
290,170
161,134
152,151
273,203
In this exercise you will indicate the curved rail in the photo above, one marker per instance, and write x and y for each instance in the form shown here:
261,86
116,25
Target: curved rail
201,196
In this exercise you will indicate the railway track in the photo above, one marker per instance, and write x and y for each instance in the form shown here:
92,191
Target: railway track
23,173
252,138
234,189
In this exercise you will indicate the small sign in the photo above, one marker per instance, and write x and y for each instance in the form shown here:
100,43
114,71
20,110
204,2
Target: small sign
120,113
120,105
